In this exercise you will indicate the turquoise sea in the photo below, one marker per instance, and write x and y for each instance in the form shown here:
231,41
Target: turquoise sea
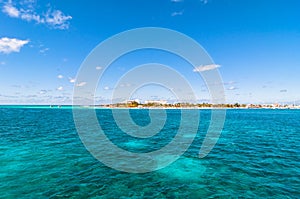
42,156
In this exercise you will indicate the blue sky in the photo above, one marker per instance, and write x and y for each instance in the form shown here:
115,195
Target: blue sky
43,43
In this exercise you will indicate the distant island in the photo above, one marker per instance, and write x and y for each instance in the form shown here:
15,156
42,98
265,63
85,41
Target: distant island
164,104
161,104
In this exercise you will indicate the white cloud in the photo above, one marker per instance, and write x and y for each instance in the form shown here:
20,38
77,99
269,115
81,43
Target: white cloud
44,50
98,67
57,19
72,80
106,88
10,10
60,88
29,16
231,88
206,67
176,1
177,13
60,76
8,45
26,11
42,92
81,84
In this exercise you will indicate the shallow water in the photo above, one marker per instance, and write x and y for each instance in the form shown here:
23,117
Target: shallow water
42,156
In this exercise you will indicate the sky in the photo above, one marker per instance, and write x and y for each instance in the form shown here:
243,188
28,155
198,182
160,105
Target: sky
254,44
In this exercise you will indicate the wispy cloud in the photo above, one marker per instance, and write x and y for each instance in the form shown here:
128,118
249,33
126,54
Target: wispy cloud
26,11
9,45
231,88
206,67
43,92
57,19
81,84
60,88
283,91
98,67
2,63
60,76
106,88
44,50
10,10
176,1
177,13
72,80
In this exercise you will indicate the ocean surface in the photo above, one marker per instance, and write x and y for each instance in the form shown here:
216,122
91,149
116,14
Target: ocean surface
42,156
